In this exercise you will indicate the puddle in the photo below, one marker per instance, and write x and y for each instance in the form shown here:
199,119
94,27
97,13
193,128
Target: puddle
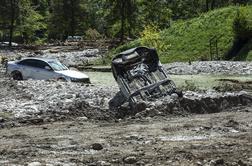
106,78
182,138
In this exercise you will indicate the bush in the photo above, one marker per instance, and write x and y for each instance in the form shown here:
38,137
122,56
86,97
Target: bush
92,34
150,37
241,27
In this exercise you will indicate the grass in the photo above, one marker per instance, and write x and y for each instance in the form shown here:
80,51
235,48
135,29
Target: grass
249,57
189,39
185,82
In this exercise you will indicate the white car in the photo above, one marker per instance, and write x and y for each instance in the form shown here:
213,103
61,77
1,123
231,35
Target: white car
43,69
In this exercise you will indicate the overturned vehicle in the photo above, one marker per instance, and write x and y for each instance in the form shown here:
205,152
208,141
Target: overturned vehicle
140,77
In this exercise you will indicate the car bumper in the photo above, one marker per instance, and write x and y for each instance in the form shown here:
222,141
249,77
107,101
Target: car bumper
82,80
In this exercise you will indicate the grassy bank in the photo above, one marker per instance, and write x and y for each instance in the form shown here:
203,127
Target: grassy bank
189,40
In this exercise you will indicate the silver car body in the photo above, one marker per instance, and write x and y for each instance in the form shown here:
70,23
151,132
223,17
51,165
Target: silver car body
45,69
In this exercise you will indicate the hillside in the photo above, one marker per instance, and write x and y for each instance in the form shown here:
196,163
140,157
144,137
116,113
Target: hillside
189,40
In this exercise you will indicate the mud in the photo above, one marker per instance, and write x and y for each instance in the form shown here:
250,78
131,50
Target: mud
210,67
63,123
209,139
38,102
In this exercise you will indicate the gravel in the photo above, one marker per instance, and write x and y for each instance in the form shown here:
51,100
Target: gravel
36,100
78,58
210,67
39,97
73,58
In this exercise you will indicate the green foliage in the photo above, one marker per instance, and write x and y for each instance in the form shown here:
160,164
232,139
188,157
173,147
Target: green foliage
244,53
33,21
122,17
249,57
30,22
154,12
66,18
242,27
92,34
189,40
150,37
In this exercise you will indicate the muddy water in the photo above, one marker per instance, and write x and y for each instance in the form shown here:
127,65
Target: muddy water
201,81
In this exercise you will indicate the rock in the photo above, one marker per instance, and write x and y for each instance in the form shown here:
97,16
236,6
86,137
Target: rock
35,164
103,163
241,163
130,160
2,120
49,165
140,106
217,162
198,163
174,96
97,146
84,118
232,123
140,163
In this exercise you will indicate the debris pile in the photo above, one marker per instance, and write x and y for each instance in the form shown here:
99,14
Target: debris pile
73,58
63,100
210,67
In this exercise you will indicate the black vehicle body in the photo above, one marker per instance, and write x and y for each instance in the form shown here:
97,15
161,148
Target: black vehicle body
141,76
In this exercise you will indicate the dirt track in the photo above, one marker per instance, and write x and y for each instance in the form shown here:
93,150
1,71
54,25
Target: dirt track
212,139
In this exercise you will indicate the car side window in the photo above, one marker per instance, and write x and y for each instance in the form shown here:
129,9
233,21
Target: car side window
39,64
34,63
26,62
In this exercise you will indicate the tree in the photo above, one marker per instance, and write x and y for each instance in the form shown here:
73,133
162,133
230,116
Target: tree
67,17
20,19
124,12
29,22
153,12
8,16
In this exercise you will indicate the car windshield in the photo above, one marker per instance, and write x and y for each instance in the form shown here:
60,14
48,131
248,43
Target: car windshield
57,66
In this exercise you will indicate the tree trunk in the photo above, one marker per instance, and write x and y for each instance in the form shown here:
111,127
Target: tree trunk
122,20
72,22
212,4
13,13
207,5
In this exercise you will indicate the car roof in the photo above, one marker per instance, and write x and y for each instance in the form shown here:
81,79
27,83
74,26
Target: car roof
132,50
42,59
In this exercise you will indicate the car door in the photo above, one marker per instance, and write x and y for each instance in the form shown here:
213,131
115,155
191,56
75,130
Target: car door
41,70
26,68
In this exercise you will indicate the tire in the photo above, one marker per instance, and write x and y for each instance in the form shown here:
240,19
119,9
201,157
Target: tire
179,93
61,79
118,100
16,75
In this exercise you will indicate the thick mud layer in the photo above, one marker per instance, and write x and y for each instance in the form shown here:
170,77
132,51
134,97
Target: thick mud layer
209,139
62,123
38,102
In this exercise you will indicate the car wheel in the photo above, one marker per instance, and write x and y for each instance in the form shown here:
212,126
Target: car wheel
118,100
16,75
62,79
179,93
